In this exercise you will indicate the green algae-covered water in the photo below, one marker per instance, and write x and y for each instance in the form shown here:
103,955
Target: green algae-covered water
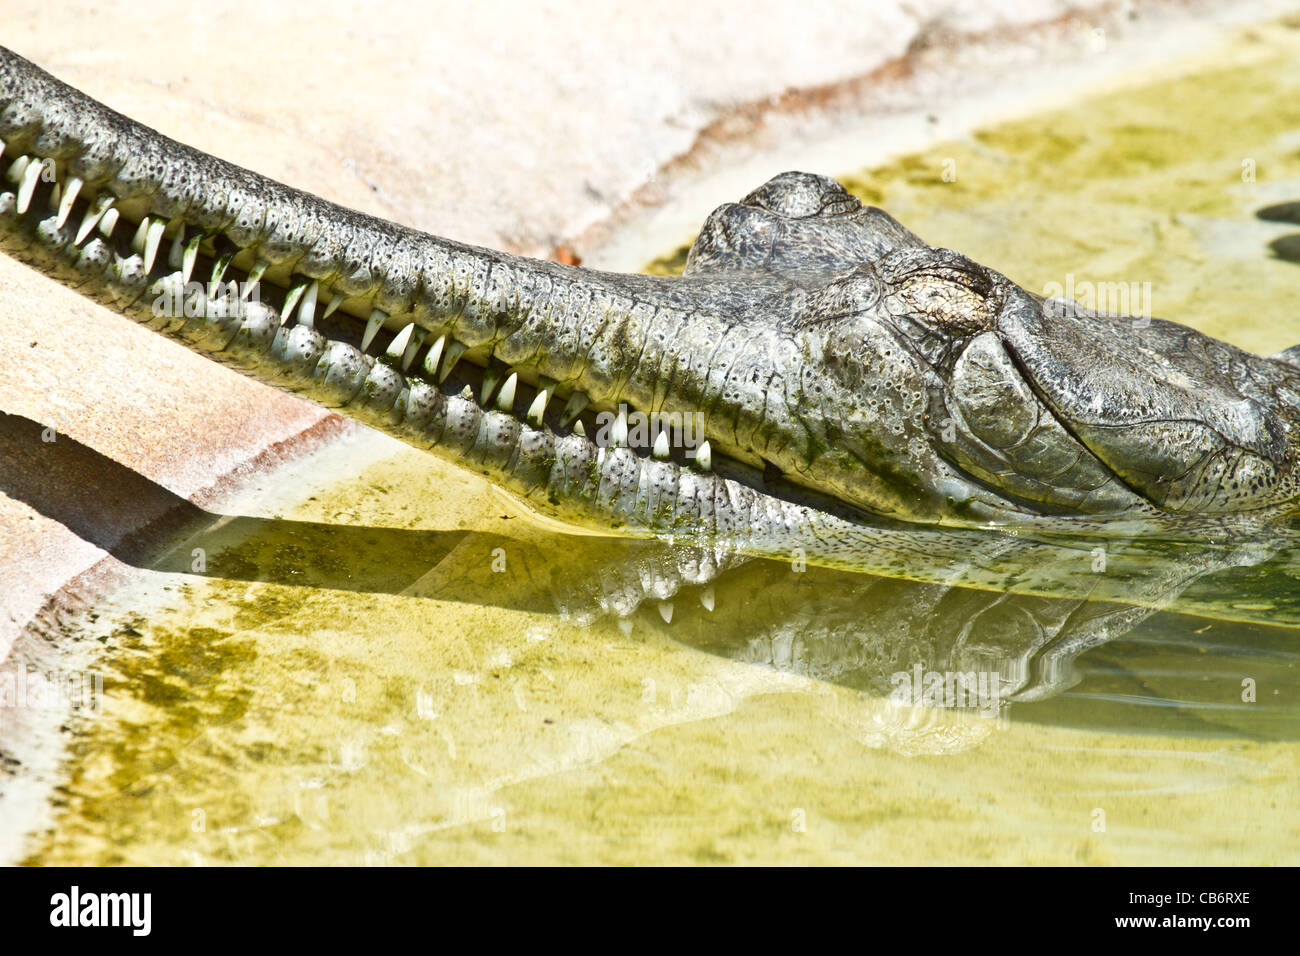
373,667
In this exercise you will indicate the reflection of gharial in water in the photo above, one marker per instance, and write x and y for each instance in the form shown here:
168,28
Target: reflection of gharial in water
938,645
842,374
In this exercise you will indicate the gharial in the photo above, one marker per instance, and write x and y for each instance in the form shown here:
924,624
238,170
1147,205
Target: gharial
850,378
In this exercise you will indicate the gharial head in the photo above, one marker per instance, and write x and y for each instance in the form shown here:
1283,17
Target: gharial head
830,357
911,381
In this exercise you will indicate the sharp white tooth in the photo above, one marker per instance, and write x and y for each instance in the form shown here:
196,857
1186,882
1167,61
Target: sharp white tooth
151,242
108,222
625,625
17,168
291,300
31,175
417,339
661,445
580,429
176,254
506,400
141,234
254,277
189,257
491,378
707,598
431,360
455,350
397,347
97,209
538,408
377,318
666,611
704,456
307,311
219,266
573,408
334,304
618,434
2,147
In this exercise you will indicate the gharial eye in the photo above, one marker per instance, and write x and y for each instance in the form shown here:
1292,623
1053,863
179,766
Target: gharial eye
844,297
955,300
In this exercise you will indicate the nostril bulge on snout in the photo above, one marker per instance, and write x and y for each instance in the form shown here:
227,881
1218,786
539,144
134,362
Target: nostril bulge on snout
796,195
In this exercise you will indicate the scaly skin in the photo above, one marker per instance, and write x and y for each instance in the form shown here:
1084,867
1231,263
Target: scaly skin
849,378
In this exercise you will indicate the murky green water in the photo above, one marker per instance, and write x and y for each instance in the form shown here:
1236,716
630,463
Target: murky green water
379,673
